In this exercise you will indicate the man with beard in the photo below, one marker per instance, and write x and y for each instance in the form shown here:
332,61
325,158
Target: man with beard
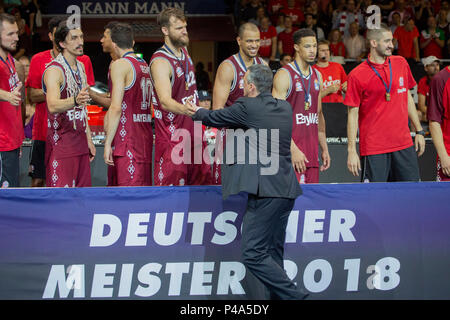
173,77
69,146
36,95
229,83
301,86
432,67
11,125
128,145
379,101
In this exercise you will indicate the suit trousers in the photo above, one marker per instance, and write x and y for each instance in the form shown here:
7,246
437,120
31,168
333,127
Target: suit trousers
263,236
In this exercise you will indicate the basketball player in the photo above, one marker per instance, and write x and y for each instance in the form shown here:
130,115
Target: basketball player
173,77
34,90
300,85
229,83
129,138
69,146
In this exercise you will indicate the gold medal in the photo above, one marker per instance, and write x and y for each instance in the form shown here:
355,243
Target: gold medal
306,105
187,85
388,96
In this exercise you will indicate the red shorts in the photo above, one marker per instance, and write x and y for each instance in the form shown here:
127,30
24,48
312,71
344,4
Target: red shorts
440,175
311,175
167,173
128,172
69,172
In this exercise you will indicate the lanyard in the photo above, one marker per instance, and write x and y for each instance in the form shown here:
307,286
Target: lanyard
127,53
186,74
242,61
11,69
74,74
388,90
307,89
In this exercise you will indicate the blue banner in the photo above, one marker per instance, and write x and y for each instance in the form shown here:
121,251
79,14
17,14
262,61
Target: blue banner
136,7
344,241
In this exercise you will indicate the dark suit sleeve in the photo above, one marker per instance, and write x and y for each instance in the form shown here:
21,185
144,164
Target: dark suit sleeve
233,116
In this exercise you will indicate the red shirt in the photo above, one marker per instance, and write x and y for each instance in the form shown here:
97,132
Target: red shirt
295,13
265,49
406,41
383,125
275,5
439,107
11,126
287,41
424,88
38,64
432,49
333,74
337,49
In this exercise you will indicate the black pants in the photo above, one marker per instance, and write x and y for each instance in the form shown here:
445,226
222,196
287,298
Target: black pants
9,168
263,237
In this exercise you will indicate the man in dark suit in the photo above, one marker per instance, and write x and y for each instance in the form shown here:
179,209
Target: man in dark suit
264,170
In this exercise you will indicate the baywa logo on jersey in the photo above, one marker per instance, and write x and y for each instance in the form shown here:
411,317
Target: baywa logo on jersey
316,85
179,72
298,86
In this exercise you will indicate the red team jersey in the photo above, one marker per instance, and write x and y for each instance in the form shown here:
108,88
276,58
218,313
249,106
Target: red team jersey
166,172
34,80
134,136
11,127
439,110
383,125
333,74
305,123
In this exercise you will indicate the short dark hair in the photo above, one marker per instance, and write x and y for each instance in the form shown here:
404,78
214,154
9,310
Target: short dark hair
110,24
261,76
247,26
165,15
284,55
122,34
322,42
302,33
61,33
6,17
54,22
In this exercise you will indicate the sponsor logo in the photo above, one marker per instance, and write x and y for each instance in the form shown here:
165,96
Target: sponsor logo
309,119
298,86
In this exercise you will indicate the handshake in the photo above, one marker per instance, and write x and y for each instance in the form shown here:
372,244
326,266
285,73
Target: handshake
189,107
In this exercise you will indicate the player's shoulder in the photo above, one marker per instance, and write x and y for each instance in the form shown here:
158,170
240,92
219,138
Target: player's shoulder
43,55
398,59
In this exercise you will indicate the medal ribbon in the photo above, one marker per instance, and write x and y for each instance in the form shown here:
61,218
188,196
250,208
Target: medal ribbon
388,90
307,89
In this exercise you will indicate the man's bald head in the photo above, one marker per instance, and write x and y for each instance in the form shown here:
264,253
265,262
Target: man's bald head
248,26
377,34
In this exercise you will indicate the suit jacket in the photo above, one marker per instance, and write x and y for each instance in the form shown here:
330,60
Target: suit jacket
260,119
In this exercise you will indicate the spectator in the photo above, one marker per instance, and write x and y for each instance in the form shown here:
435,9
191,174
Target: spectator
28,12
275,6
423,10
432,67
294,12
24,44
260,13
285,40
442,20
337,47
280,23
400,8
386,6
239,8
310,23
285,59
355,44
346,17
250,10
396,21
202,77
333,75
407,38
268,44
432,40
320,18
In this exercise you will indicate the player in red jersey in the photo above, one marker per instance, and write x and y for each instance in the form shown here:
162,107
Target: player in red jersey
129,138
438,113
379,101
69,146
300,85
173,77
34,89
229,83
11,125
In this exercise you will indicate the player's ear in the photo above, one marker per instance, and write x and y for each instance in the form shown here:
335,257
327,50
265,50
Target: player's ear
296,47
165,31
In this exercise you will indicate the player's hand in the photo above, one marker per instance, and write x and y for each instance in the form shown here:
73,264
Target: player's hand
419,142
83,96
353,163
326,161
92,150
344,86
15,96
108,155
445,165
190,107
299,159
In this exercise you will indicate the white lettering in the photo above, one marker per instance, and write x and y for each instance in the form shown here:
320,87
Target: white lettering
312,225
200,277
98,239
100,280
135,228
